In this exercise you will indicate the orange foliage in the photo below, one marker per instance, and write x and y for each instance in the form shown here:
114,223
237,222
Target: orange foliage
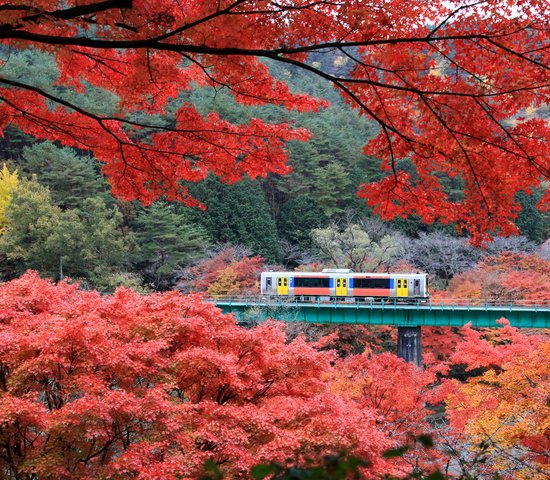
224,274
509,277
507,406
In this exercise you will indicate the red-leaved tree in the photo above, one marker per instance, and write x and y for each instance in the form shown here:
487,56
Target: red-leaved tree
506,409
150,387
452,85
509,277
230,271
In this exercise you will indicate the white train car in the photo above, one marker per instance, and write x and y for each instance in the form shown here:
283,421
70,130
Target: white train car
346,285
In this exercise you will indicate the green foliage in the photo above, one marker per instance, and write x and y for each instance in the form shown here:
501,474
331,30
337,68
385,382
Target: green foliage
70,177
332,189
298,217
339,466
331,467
330,166
85,243
20,65
166,239
238,214
530,220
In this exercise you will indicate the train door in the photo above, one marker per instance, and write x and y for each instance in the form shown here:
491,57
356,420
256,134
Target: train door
282,286
341,287
402,287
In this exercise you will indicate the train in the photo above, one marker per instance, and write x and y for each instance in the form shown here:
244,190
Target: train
346,286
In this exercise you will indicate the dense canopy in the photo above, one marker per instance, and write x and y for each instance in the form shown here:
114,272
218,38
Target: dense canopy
455,87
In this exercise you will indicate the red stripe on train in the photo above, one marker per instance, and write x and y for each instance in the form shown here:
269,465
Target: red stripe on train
311,291
371,292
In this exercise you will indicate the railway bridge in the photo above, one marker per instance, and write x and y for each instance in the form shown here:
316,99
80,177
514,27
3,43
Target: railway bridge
408,318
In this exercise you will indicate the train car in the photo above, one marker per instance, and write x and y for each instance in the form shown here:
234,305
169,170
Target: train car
345,285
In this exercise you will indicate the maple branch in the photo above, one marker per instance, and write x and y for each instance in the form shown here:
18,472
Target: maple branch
67,14
517,54
446,126
221,51
200,21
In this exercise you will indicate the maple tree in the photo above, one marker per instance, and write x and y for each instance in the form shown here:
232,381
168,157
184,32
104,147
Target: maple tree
452,86
229,271
130,386
509,277
507,406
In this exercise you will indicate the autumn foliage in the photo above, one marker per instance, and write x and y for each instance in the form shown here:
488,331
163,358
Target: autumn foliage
225,273
507,407
453,87
510,277
150,387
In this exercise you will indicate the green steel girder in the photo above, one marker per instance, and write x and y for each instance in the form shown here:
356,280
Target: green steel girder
389,314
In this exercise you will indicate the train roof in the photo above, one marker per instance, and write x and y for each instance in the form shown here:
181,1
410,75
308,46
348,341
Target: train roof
332,273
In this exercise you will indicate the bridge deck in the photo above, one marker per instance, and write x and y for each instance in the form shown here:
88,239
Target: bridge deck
387,313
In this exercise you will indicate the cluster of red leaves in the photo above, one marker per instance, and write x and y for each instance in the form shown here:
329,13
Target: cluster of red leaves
226,274
239,278
507,407
510,277
442,84
149,387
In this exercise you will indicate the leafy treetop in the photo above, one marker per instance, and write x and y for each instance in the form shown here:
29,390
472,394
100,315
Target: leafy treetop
449,84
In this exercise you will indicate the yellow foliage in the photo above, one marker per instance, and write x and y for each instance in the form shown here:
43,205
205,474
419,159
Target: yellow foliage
8,183
510,408
225,284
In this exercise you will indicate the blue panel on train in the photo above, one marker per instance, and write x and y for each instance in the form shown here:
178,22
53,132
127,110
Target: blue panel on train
351,282
331,282
392,282
291,282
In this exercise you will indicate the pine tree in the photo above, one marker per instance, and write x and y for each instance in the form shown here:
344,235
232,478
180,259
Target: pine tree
166,239
333,189
71,177
298,217
239,214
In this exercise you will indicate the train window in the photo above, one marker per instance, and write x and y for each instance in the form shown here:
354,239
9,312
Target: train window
338,282
405,283
285,281
268,282
279,282
371,283
311,282
399,283
344,282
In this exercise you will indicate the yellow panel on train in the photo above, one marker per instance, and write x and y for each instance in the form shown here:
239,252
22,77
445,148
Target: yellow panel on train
282,286
402,287
341,287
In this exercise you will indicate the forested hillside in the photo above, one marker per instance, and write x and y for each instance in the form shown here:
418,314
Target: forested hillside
157,156
59,217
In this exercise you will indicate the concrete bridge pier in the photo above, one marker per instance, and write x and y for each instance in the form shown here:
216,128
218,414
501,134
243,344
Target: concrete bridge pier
409,344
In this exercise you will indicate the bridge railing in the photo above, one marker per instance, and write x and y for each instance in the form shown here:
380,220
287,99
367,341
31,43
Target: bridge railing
345,301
